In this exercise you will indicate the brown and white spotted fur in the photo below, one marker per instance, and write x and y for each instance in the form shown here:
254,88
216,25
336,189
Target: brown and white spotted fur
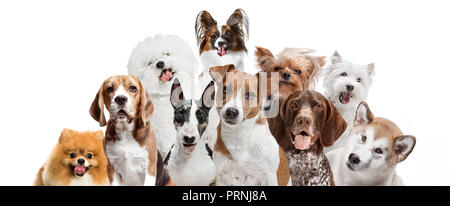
312,122
129,143
375,147
245,153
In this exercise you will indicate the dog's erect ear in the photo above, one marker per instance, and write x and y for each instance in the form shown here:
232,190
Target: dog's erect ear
322,60
145,105
218,73
334,126
238,21
97,107
99,135
363,114
336,58
208,95
371,68
203,23
404,145
176,94
64,134
263,56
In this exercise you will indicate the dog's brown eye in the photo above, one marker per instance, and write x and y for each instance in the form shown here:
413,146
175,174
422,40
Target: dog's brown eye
214,36
358,80
89,156
378,151
317,107
73,155
363,138
133,89
343,74
249,96
298,72
277,69
110,89
294,106
167,54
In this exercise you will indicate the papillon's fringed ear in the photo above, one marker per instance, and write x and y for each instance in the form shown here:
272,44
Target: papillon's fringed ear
336,58
65,134
176,94
203,23
208,95
404,145
263,56
239,22
363,114
97,107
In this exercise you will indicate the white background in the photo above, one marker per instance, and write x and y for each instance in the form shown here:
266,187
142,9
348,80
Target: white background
55,54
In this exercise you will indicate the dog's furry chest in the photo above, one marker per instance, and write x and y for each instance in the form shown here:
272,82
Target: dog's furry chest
251,163
162,124
128,159
308,168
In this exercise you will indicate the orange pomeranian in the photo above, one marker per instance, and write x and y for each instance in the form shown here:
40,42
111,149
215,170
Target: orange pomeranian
77,159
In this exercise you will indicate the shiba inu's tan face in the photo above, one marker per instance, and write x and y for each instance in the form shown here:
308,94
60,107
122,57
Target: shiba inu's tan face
377,143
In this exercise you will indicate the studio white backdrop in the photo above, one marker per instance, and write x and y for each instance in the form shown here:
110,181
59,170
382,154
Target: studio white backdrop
55,54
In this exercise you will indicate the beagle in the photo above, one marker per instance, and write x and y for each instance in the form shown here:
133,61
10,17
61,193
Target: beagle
129,142
245,153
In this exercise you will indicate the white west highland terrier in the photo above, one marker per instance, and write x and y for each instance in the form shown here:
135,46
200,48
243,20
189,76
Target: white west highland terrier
157,61
346,84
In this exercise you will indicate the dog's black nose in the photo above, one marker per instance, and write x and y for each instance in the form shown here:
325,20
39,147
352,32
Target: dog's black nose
221,43
189,140
286,76
160,65
231,113
80,161
353,158
350,87
121,100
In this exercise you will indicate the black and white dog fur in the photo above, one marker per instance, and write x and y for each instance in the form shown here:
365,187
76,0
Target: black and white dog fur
190,162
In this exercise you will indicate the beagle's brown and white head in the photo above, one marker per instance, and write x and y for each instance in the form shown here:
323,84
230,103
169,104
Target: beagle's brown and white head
237,97
228,37
377,144
311,121
126,100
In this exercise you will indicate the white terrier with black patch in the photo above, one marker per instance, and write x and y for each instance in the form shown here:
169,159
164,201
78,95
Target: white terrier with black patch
346,84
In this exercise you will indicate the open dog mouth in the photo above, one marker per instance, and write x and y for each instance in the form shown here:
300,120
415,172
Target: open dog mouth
166,75
122,114
221,51
345,97
302,140
79,170
189,148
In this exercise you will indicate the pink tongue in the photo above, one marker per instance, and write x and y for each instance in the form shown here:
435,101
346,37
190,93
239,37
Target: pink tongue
221,51
345,98
79,170
166,76
302,142
189,149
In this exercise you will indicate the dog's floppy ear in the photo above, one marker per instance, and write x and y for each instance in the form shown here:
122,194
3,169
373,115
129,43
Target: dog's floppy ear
145,105
403,146
336,58
64,134
208,95
218,73
97,107
334,126
263,56
176,94
238,21
363,114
